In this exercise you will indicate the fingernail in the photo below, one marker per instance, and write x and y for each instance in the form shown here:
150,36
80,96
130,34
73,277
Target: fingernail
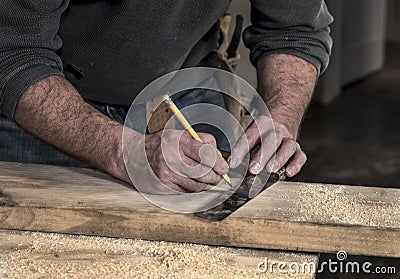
226,168
255,167
290,171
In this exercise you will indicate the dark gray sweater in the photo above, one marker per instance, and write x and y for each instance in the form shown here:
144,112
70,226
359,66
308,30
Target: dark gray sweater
111,49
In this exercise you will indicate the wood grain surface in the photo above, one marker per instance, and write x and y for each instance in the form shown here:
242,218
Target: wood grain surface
286,216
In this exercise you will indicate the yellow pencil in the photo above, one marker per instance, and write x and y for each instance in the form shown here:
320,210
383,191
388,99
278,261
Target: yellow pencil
187,126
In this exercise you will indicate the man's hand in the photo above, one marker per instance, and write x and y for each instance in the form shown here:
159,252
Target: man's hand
286,84
182,163
263,143
52,110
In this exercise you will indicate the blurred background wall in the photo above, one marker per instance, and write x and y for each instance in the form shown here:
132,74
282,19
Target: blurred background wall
359,34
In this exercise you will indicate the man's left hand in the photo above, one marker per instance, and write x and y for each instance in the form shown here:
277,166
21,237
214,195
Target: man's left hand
271,146
286,83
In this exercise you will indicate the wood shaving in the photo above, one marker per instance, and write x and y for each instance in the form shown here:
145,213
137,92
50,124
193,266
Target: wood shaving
319,202
41,255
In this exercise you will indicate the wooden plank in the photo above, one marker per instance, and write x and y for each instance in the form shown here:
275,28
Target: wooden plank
43,255
287,216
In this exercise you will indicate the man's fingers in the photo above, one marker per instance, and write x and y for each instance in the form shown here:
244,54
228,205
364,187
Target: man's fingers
254,151
184,164
175,187
285,151
208,139
199,172
207,154
262,127
295,165
210,178
263,155
243,146
181,182
221,167
189,184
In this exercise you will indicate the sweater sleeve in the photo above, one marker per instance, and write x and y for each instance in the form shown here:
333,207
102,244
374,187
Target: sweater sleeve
28,44
296,27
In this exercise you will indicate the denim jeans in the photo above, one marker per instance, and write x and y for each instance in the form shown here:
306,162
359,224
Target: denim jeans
16,145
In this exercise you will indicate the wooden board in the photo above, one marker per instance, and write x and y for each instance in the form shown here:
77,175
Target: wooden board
44,255
287,216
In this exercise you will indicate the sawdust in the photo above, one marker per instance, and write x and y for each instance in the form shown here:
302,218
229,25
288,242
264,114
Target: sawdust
321,202
39,255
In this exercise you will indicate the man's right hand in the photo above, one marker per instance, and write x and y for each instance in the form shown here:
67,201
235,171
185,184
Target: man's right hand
52,110
184,164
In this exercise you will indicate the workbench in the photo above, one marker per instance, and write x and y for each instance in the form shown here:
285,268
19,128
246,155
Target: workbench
300,219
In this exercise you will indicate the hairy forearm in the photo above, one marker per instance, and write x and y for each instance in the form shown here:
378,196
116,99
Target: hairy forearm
52,110
286,83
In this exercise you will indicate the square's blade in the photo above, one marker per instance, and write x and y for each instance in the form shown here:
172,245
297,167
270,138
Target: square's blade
250,185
